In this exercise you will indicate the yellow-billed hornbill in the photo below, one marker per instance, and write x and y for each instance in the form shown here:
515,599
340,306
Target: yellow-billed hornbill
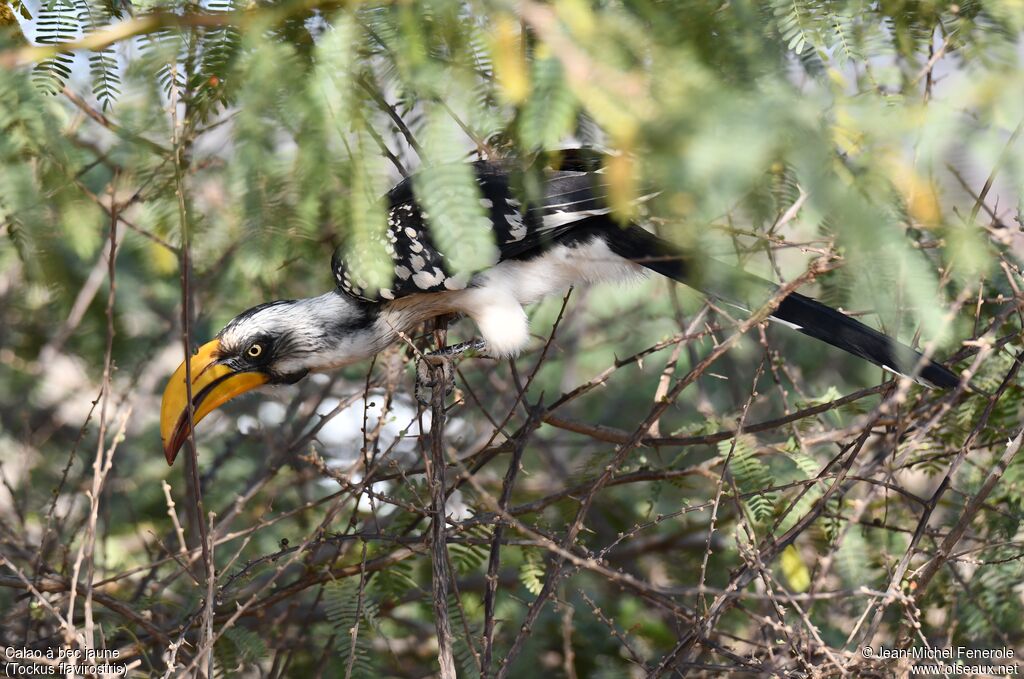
566,238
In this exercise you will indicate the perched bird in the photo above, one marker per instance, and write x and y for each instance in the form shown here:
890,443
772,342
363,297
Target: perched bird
567,237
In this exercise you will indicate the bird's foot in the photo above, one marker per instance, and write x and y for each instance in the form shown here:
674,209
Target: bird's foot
426,377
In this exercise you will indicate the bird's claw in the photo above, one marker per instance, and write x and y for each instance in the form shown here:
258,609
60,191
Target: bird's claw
425,377
445,359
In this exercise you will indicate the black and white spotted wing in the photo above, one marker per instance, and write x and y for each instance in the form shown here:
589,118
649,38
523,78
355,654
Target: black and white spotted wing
418,265
519,232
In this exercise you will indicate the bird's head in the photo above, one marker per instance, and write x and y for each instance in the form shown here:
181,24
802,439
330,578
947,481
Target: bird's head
274,343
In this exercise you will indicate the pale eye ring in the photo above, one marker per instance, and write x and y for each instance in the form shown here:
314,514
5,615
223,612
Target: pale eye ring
255,351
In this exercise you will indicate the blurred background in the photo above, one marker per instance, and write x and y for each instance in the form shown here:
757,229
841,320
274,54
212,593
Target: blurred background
163,161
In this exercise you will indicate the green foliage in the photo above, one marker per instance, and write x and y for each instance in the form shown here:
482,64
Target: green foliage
985,607
807,468
106,77
802,24
353,617
467,557
531,572
237,650
549,114
221,46
394,583
448,192
57,23
467,635
854,558
752,475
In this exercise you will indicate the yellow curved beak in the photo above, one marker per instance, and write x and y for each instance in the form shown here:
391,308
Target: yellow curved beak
213,385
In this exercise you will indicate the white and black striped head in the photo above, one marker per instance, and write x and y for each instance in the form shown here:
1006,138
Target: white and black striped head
273,343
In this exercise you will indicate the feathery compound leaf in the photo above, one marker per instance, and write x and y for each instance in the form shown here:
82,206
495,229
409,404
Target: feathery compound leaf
106,81
213,81
237,649
550,112
531,572
352,624
58,23
261,176
751,474
807,468
986,608
332,76
448,192
807,465
158,51
395,581
25,123
469,557
466,635
366,257
844,38
363,232
801,23
855,558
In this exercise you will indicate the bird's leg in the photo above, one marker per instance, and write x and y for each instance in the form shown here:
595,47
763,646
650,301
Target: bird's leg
444,358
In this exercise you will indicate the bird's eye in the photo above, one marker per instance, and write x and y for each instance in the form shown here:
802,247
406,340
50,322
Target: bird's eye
255,351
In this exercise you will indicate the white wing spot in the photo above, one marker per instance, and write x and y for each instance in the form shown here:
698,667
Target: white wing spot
425,280
517,230
456,282
558,218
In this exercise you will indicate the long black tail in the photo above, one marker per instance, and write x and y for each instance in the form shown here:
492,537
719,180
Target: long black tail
799,312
